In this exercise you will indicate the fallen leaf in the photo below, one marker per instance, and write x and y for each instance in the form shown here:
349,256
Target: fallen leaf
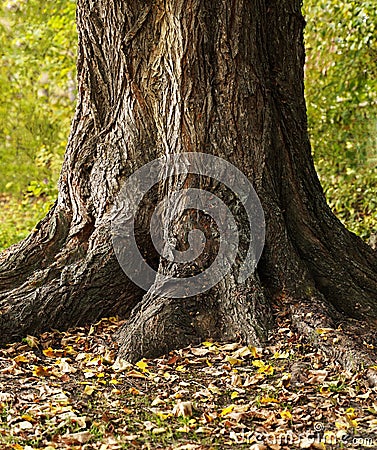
142,365
183,409
159,430
41,371
199,351
226,410
32,341
89,390
135,374
286,415
82,437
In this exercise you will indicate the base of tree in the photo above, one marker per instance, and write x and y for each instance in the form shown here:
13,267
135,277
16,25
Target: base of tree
163,79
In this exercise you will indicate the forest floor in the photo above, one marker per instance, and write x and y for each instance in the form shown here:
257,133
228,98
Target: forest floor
69,391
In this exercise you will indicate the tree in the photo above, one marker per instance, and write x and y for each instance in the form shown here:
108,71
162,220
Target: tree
158,78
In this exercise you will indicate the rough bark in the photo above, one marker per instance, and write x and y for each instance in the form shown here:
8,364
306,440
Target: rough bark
168,77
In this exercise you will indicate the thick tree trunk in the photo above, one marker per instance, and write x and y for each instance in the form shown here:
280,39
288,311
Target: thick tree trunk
163,78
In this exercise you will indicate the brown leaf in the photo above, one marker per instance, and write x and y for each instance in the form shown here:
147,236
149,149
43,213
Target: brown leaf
183,409
199,351
82,437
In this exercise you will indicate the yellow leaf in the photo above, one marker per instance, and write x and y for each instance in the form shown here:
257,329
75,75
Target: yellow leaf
142,365
233,361
180,369
40,371
269,370
69,350
89,390
254,352
163,416
208,418
27,417
17,447
323,330
286,415
364,396
226,410
207,344
353,423
21,359
283,355
234,395
370,346
258,363
324,390
214,389
263,368
351,413
51,353
134,391
96,361
268,400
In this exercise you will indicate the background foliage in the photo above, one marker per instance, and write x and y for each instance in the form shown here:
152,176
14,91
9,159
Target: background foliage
37,88
341,95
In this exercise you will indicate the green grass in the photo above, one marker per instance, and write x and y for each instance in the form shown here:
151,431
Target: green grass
19,217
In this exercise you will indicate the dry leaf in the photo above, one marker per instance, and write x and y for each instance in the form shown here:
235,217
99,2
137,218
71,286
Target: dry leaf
183,409
226,410
89,390
159,430
82,437
142,365
199,351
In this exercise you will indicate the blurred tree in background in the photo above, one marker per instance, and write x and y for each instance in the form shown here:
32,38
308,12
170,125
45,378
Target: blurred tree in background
341,96
37,91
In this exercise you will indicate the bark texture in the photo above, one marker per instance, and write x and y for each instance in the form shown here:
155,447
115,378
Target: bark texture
165,77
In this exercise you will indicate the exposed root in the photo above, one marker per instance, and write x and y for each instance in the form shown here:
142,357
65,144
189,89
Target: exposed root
347,341
158,325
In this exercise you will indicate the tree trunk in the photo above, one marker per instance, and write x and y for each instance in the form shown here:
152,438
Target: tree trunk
170,77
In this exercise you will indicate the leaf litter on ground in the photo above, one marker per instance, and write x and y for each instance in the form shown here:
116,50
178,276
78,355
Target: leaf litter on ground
68,390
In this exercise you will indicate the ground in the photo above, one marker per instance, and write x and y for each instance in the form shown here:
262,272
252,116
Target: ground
69,391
